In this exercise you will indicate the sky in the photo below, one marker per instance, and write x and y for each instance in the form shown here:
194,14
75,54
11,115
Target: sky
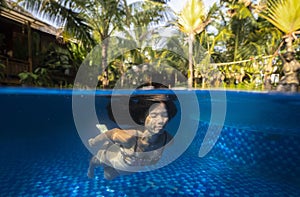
177,5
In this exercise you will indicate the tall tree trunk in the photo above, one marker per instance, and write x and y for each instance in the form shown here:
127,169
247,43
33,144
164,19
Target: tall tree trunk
191,69
104,65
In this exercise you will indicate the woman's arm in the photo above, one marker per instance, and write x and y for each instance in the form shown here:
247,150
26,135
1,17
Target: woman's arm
123,137
126,138
101,138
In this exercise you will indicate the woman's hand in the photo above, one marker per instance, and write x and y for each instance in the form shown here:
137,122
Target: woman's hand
91,142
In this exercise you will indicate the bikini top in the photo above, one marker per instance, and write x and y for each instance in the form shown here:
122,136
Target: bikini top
139,158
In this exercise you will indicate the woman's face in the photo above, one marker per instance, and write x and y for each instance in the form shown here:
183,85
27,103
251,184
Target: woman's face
157,118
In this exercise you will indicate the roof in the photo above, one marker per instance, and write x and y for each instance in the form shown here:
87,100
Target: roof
17,13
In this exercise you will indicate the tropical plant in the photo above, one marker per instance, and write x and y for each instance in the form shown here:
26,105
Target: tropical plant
192,20
56,65
135,38
136,51
28,78
284,15
39,77
239,18
91,22
77,52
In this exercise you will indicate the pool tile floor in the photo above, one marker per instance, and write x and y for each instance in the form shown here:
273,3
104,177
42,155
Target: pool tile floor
61,171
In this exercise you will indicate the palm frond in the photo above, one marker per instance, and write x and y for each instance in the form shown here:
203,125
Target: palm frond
284,14
150,13
192,19
66,14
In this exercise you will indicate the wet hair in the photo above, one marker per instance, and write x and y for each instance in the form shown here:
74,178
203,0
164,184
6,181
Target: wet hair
139,106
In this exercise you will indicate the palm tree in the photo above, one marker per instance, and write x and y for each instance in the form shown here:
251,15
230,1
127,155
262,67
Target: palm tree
192,20
139,30
247,37
91,22
284,15
114,15
65,14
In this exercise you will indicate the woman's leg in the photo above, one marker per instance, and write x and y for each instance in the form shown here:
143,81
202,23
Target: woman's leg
110,173
94,162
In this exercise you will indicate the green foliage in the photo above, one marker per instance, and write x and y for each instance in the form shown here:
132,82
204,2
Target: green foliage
40,77
55,62
28,78
77,54
239,34
147,13
192,19
92,22
57,58
284,14
62,13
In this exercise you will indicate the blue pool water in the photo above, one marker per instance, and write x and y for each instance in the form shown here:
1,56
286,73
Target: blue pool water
256,154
